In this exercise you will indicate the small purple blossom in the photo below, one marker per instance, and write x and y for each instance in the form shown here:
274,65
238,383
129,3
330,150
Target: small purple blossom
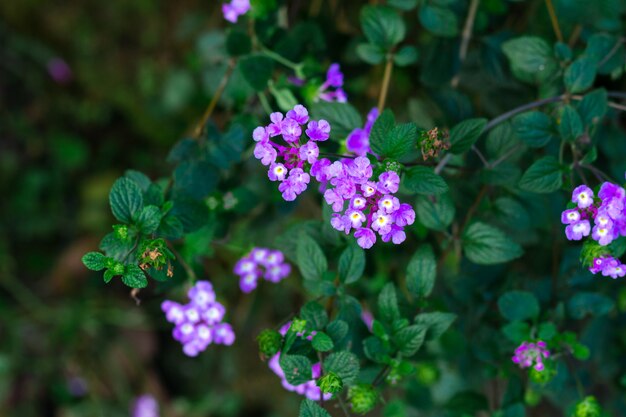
582,196
531,354
261,263
389,182
358,141
145,406
265,152
570,216
365,237
59,70
299,114
608,266
196,322
309,152
234,9
576,231
318,131
334,79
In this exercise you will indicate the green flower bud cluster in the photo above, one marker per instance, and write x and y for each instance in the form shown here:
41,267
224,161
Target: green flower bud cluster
330,383
363,398
269,341
588,407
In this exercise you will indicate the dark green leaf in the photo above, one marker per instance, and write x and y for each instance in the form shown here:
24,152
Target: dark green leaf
570,126
406,55
465,134
344,364
423,180
134,277
337,330
351,264
315,315
437,323
410,339
238,43
322,342
94,261
149,219
518,305
297,368
580,75
194,179
126,199
435,212
534,128
593,107
388,303
421,272
589,303
440,21
531,58
310,408
543,176
517,331
371,54
486,245
257,70
382,26
311,259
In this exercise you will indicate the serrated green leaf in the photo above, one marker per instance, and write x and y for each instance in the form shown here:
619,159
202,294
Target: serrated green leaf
465,134
410,339
94,261
421,272
309,408
423,180
337,330
149,219
543,176
371,54
570,125
389,140
406,55
580,75
518,305
134,277
437,323
531,58
344,364
517,331
593,107
351,264
297,368
487,245
322,342
126,199
440,21
311,260
315,315
435,212
388,303
257,70
534,128
382,26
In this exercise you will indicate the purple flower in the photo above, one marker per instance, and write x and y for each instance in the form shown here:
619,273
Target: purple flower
277,172
276,273
260,134
265,152
356,218
340,223
365,237
309,152
174,312
389,204
396,235
570,216
334,79
583,196
609,190
59,71
603,234
358,202
334,76
274,257
145,406
404,216
275,128
576,231
319,170
369,189
234,9
223,334
614,269
360,170
318,130
202,293
389,182
291,130
299,113
261,262
358,141
248,283
214,313
334,199
381,222
531,354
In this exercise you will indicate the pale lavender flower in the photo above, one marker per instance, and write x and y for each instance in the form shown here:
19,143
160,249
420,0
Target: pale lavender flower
145,406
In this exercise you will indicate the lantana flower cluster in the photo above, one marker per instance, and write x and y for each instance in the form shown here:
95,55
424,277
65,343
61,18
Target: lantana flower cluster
362,203
261,263
608,214
199,322
309,389
234,9
531,354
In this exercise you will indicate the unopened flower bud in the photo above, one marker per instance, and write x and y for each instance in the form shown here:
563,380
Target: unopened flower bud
363,398
588,407
269,342
330,383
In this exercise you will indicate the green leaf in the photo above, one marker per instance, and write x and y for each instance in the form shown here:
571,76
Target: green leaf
543,176
343,117
435,212
194,179
533,127
149,219
322,342
126,199
589,303
423,180
344,364
440,21
311,259
486,245
337,330
134,277
315,315
388,303
94,261
518,305
285,99
383,125
580,75
371,54
410,339
403,4
382,26
310,408
531,58
257,70
437,323
421,272
546,331
465,134
400,141
570,126
351,264
108,275
517,331
593,106
406,55
297,368
238,43
607,50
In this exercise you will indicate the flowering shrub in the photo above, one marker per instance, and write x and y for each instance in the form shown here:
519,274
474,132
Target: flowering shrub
422,240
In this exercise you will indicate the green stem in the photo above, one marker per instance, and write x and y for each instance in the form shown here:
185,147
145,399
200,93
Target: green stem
282,60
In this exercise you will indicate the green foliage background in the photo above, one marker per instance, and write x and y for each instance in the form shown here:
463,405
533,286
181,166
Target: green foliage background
143,73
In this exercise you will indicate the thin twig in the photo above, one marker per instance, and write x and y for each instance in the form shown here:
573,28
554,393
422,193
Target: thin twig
385,86
474,206
505,156
575,35
554,20
218,93
466,37
611,52
480,155
343,406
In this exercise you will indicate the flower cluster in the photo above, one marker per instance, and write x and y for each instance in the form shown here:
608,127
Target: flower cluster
608,214
363,205
358,141
531,354
261,262
287,163
309,389
199,322
234,9
334,79
145,406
